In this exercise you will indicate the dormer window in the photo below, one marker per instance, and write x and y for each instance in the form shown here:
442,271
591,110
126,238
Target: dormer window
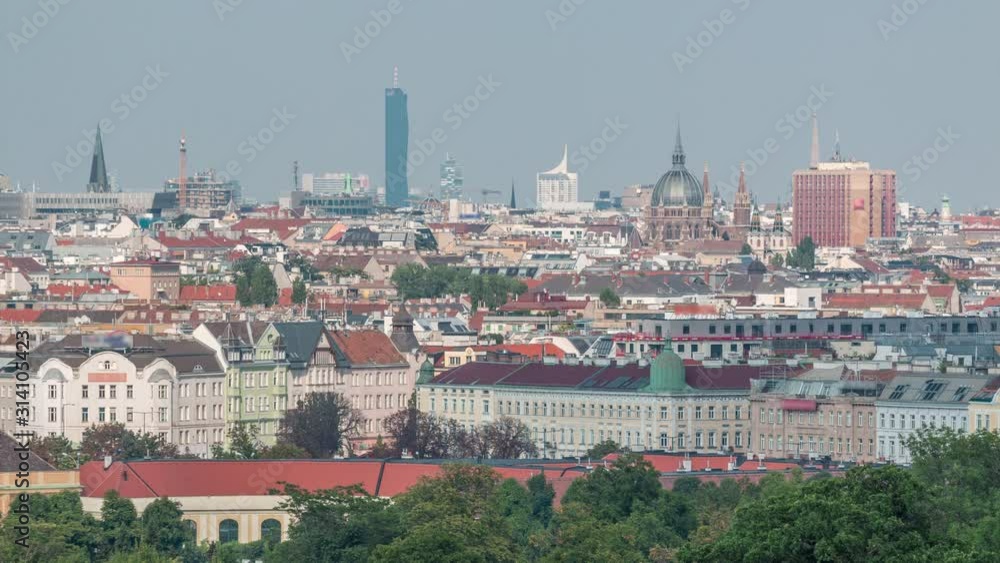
198,368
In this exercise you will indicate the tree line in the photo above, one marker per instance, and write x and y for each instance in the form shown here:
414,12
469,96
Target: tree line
942,509
414,281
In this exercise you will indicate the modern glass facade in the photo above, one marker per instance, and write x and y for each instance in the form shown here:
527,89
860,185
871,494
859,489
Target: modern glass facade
397,134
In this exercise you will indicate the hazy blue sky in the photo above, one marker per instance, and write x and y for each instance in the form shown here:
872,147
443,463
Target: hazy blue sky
560,78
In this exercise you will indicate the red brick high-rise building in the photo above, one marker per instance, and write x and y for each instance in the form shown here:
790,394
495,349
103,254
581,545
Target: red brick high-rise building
843,202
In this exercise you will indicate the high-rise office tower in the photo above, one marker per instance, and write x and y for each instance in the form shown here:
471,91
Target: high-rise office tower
843,202
397,134
452,178
557,188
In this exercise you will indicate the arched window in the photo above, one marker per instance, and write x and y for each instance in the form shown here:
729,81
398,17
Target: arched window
192,530
229,531
270,531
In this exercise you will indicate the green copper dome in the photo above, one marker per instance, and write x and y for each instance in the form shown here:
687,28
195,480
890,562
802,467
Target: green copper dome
666,374
426,373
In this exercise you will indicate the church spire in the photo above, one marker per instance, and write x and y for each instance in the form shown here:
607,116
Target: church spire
779,221
755,221
743,180
706,188
513,195
678,158
98,172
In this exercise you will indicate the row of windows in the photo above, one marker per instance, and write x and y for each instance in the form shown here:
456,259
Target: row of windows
701,439
957,423
258,379
982,422
793,327
200,436
201,412
386,401
710,412
814,444
200,389
816,418
110,414
262,403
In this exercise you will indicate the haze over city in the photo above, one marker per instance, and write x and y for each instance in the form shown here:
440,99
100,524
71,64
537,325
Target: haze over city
499,281
562,69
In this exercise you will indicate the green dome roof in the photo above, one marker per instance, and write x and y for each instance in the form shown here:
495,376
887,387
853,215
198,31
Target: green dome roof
666,374
426,372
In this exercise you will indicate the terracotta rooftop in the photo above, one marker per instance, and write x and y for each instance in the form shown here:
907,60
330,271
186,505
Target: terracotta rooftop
362,348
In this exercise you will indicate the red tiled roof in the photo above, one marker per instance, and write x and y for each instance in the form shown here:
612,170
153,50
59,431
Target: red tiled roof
25,264
941,291
206,241
669,463
397,478
20,315
73,290
751,465
537,351
874,300
695,309
190,478
544,306
367,347
225,292
476,373
476,320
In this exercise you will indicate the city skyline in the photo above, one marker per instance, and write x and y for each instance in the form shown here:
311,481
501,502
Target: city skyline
563,93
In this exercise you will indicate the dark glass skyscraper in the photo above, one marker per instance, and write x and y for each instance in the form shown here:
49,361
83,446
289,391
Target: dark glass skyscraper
397,134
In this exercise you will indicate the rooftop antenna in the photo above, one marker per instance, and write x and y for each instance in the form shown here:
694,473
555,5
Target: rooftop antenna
395,77
814,152
182,180
295,175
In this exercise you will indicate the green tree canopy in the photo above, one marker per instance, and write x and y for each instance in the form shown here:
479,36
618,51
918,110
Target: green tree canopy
609,298
321,424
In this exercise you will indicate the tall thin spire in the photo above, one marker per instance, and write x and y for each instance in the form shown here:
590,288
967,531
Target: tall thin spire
513,196
182,199
395,77
705,188
678,158
779,221
98,171
742,189
836,147
814,151
755,220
